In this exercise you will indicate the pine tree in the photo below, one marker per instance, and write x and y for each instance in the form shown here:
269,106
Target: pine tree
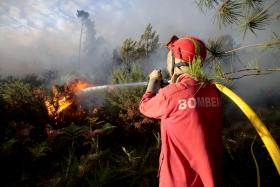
252,15
132,55
247,16
132,51
149,41
128,51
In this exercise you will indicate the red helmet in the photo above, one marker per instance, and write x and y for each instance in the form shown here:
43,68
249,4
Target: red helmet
187,48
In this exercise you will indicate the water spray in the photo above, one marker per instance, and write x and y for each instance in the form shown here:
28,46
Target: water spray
112,86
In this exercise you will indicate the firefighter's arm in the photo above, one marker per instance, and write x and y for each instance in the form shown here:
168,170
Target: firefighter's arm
154,105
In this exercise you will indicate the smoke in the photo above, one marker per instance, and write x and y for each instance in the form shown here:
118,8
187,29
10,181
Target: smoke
38,36
95,53
83,16
260,89
39,50
258,86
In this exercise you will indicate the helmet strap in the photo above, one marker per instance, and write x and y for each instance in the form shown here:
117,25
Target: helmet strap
177,65
172,62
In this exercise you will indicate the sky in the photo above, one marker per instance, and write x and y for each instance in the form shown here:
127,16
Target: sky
37,35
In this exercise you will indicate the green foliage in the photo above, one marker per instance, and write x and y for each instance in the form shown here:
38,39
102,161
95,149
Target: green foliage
250,14
256,20
72,133
125,101
18,98
119,170
113,145
223,56
16,93
202,4
254,3
128,51
7,146
238,135
229,12
218,70
120,96
132,51
217,48
196,71
69,171
149,40
124,75
33,80
40,149
218,58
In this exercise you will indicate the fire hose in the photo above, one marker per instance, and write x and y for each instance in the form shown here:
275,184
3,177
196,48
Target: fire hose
261,129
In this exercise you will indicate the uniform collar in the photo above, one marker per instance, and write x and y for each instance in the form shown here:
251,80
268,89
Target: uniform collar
184,78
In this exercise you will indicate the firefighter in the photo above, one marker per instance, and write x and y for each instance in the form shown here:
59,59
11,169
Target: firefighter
191,118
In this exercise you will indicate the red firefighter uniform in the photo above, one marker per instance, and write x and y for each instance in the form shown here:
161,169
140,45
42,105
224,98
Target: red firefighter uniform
190,114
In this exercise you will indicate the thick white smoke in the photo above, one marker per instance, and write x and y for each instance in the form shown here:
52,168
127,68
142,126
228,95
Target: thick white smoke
38,35
95,54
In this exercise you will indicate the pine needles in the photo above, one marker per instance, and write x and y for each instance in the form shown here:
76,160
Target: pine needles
251,15
195,70
257,20
218,46
254,3
206,3
229,12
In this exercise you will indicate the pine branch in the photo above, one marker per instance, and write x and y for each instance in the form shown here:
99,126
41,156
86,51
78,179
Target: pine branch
203,4
229,12
257,20
269,6
264,45
217,46
252,69
250,72
247,75
277,15
254,3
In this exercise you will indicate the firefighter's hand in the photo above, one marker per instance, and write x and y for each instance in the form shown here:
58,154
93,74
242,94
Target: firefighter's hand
156,75
155,81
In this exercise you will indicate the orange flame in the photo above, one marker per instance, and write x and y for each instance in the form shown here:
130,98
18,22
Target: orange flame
62,100
77,85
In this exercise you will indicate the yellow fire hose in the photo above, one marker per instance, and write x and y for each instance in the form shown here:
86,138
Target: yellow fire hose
261,129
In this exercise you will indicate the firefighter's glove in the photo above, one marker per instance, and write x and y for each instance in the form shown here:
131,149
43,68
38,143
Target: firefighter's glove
155,81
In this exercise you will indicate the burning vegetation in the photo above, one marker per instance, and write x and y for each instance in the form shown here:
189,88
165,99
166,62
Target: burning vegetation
112,144
63,98
48,139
